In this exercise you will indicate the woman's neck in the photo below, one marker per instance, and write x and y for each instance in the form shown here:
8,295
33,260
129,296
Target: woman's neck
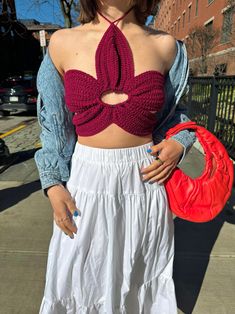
113,10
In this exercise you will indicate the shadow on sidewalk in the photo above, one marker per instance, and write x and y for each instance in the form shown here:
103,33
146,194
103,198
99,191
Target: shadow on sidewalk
11,196
17,158
193,245
24,155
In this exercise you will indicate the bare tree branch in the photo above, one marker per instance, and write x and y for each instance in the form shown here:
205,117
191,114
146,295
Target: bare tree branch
66,6
200,43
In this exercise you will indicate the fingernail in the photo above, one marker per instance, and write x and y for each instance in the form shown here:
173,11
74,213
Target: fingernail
149,150
76,213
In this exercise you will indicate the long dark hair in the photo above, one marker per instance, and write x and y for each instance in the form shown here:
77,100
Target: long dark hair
142,9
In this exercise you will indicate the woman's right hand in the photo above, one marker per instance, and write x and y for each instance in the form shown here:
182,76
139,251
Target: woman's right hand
64,208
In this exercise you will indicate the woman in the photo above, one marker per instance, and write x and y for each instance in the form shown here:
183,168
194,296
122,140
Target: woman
103,87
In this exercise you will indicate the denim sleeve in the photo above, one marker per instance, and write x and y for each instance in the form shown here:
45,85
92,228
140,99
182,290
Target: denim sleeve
186,137
48,162
57,135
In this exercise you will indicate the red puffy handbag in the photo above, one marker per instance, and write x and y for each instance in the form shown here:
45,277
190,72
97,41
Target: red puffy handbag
203,198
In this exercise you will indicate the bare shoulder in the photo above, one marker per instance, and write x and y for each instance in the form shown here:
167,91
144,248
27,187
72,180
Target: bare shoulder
59,45
165,45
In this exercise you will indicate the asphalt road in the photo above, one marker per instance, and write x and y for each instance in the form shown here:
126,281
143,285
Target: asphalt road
20,131
14,119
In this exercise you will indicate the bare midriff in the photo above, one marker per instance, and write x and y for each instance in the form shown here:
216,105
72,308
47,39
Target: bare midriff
114,137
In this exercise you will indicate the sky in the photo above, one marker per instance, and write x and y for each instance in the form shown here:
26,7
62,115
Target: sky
48,11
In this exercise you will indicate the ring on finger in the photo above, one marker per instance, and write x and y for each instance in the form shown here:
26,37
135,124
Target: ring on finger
158,159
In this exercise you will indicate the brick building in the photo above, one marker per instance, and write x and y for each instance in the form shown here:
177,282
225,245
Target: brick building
181,17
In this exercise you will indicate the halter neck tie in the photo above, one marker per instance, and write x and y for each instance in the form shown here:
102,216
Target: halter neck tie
112,22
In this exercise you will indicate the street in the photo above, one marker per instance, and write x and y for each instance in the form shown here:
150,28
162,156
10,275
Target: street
205,253
24,128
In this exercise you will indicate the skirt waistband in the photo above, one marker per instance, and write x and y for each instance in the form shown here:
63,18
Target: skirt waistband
126,154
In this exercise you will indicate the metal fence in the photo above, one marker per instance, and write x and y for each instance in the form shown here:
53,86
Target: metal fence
211,103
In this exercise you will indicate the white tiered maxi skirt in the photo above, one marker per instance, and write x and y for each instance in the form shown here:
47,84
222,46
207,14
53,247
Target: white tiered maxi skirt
121,259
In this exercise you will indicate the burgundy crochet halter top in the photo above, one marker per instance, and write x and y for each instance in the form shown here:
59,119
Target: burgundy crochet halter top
115,72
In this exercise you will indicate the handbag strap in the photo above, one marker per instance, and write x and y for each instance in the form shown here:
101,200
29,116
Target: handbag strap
181,126
204,137
214,150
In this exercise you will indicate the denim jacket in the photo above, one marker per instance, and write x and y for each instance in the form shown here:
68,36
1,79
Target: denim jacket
58,136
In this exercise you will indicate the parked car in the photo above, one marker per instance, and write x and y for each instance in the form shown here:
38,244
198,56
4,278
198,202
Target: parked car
18,92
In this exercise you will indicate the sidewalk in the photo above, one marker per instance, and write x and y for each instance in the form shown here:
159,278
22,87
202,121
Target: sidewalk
204,271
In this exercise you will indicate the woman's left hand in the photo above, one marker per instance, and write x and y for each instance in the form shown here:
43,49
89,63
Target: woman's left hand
170,153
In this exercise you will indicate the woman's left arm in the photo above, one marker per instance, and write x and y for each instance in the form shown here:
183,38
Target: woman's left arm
171,152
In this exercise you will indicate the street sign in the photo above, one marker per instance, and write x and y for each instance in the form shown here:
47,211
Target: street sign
42,38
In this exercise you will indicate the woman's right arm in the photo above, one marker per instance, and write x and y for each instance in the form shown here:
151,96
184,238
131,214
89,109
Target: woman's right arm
57,137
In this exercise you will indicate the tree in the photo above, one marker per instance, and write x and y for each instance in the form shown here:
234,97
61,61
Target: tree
200,43
203,39
68,7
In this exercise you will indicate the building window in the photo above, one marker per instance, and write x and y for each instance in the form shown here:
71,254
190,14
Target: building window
189,13
227,25
209,25
196,10
183,19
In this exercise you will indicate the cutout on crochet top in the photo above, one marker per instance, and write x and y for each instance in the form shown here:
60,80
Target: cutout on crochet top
107,97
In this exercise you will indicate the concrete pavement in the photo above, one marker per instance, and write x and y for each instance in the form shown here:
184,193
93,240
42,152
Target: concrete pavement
204,269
